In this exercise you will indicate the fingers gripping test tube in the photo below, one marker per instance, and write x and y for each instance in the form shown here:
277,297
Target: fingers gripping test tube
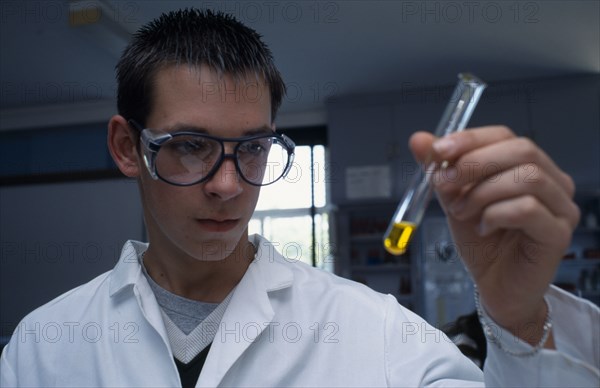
411,208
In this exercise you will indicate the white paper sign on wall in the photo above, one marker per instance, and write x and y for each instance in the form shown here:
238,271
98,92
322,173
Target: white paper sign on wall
367,182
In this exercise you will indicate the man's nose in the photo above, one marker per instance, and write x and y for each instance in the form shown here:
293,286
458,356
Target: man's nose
226,182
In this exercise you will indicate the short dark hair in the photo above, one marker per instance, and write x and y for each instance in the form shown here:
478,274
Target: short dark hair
192,37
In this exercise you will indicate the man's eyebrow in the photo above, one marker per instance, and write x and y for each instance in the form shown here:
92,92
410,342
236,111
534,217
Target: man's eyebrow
259,131
180,127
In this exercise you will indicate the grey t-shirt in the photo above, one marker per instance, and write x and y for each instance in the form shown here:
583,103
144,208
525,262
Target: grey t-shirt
191,325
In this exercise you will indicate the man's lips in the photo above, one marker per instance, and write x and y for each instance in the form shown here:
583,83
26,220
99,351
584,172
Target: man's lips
217,225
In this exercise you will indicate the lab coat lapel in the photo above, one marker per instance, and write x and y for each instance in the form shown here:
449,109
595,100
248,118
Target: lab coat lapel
250,310
127,277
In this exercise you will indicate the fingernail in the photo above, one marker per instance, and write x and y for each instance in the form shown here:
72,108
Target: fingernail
444,146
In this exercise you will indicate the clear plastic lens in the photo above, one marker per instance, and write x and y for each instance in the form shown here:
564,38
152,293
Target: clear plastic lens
277,162
266,164
185,159
188,159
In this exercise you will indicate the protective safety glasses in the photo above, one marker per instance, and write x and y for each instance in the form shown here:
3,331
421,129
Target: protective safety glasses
185,158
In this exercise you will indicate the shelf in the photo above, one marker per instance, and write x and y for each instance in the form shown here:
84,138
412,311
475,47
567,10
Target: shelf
363,257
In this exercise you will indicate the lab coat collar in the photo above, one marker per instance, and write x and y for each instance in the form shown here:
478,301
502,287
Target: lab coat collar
127,275
250,303
128,269
274,274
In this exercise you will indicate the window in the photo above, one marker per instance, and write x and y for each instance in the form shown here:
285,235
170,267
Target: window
293,213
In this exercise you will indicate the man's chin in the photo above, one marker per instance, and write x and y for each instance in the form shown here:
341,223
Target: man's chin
217,249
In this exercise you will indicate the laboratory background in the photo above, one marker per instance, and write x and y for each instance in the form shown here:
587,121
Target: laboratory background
361,76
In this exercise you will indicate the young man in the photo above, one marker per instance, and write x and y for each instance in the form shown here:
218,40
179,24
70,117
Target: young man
205,304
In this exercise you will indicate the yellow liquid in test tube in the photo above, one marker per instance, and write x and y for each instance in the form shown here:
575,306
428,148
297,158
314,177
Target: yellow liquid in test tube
411,208
397,240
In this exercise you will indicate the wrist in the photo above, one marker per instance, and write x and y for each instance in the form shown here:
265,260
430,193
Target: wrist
521,314
535,331
529,326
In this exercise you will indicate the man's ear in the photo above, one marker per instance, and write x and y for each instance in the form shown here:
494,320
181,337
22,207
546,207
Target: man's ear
122,146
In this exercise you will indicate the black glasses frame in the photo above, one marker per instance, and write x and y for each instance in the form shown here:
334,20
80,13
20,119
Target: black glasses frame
153,140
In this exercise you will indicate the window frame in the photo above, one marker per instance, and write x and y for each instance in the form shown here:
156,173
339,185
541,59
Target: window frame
310,136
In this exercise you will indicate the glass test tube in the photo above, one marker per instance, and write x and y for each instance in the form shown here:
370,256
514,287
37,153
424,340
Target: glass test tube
411,208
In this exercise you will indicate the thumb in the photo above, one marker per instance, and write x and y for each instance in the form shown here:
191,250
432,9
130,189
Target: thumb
420,145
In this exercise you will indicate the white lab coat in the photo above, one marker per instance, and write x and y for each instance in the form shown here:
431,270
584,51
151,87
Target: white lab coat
287,324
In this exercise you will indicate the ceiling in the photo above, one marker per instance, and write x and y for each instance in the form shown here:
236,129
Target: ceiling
55,73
